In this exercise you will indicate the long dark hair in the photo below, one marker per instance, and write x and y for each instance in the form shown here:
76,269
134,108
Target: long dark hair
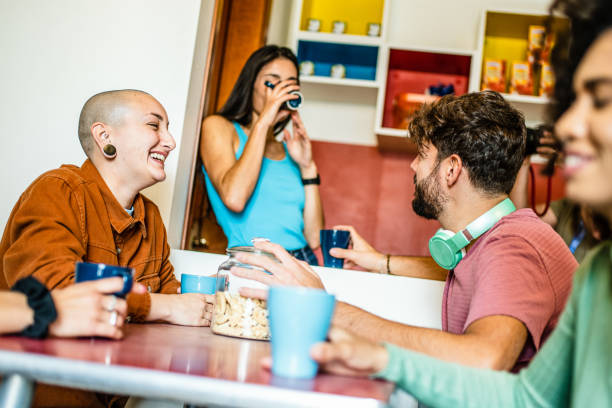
588,19
239,105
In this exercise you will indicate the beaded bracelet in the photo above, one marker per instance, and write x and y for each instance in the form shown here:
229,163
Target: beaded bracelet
41,302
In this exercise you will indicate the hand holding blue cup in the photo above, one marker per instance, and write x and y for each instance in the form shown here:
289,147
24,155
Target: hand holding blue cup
87,271
299,318
331,238
198,284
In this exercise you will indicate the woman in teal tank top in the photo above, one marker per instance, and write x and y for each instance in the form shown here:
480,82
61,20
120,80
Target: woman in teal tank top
574,366
261,179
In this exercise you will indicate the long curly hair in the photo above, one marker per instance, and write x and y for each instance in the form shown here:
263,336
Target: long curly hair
588,19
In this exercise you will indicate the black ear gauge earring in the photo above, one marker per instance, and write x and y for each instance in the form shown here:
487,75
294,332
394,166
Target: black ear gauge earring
109,150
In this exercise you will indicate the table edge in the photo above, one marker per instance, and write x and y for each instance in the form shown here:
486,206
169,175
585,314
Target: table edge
165,385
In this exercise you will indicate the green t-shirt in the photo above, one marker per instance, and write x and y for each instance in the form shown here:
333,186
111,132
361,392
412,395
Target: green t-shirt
573,368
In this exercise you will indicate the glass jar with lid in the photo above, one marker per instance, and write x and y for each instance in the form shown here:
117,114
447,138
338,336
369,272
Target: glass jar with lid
234,314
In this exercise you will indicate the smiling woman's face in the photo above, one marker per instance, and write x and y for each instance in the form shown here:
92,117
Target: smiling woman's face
586,129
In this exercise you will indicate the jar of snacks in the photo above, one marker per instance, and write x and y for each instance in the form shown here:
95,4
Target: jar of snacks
235,314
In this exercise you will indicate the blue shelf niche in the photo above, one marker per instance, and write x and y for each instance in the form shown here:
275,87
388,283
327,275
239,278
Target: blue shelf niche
359,60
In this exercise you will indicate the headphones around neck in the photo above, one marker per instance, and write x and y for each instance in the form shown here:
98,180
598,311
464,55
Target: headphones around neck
448,248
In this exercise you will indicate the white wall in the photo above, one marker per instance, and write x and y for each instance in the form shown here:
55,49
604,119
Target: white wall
342,114
55,54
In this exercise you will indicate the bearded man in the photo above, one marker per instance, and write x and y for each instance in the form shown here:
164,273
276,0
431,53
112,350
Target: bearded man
509,273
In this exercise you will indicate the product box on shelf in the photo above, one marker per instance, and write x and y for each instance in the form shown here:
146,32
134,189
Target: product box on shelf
547,80
494,75
521,78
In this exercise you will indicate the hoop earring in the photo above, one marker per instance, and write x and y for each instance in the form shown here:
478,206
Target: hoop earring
109,151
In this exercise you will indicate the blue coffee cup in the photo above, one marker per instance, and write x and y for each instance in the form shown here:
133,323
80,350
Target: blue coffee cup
299,318
87,271
198,284
333,239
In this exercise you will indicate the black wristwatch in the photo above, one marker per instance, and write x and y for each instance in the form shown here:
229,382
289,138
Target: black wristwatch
316,180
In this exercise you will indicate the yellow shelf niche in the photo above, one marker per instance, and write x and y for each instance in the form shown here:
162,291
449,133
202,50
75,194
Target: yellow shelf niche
355,13
506,36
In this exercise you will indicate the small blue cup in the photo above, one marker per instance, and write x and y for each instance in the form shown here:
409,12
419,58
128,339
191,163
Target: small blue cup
299,318
87,271
198,284
333,239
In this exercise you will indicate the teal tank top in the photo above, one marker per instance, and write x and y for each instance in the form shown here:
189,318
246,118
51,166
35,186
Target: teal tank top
275,209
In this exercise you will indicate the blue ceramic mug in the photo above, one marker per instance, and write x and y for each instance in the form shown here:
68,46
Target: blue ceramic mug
333,239
87,271
198,284
299,318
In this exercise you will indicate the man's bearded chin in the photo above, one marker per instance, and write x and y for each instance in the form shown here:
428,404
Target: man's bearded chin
428,200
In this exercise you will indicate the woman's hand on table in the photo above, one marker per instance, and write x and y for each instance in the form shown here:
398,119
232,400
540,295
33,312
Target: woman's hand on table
89,309
287,272
191,309
362,254
348,354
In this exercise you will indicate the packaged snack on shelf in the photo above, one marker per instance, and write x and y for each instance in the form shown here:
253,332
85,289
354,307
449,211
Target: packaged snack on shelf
337,71
547,80
307,68
494,75
373,29
405,105
338,27
537,34
521,78
314,25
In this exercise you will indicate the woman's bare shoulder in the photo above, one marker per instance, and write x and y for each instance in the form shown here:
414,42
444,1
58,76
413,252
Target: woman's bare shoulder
217,122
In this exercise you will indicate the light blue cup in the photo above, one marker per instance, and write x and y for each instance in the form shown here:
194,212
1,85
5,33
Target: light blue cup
299,318
198,284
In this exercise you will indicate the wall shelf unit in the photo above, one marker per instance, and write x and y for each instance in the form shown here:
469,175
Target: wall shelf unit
359,61
380,71
339,81
408,74
503,35
339,38
356,14
356,51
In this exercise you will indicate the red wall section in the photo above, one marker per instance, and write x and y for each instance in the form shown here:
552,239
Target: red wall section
373,191
558,184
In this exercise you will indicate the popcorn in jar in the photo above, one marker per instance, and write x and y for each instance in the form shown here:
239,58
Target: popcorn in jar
234,314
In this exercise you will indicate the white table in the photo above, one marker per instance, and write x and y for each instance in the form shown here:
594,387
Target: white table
411,301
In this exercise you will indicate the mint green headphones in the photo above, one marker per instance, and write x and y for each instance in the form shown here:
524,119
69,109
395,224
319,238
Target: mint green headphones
448,248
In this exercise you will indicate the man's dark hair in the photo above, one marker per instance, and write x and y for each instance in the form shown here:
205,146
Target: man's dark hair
481,128
239,105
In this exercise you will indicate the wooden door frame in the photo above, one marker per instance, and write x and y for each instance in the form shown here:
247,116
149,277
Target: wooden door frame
223,25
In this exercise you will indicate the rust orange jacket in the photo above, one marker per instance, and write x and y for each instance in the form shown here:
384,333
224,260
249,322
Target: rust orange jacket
69,215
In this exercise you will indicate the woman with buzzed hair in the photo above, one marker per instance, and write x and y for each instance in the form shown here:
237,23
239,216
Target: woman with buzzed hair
95,213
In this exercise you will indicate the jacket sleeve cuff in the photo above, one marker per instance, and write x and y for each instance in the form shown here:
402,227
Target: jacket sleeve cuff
171,287
139,306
